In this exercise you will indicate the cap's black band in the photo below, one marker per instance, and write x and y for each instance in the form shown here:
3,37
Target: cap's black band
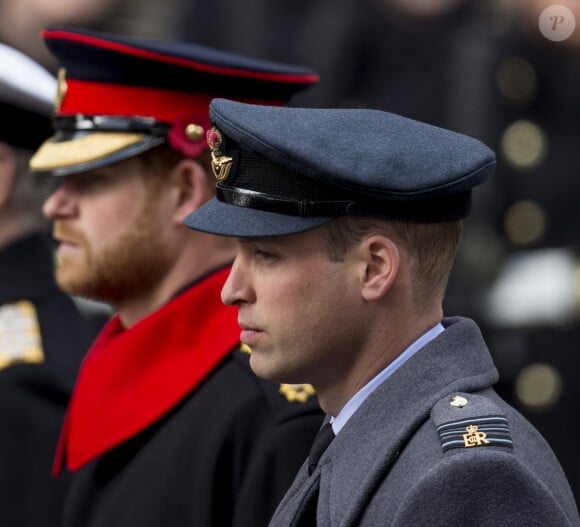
107,123
259,201
448,208
23,128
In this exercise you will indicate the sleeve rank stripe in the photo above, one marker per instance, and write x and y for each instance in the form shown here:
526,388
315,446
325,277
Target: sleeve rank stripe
498,419
449,445
474,432
481,428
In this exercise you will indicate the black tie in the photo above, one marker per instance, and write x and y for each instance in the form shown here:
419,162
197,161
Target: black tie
321,441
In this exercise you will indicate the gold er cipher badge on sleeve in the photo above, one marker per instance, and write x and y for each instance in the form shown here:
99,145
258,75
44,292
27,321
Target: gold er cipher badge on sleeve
482,431
474,438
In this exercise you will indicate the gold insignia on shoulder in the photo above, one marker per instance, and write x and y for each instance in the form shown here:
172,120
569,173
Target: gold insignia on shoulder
474,438
20,340
297,392
60,90
245,348
220,164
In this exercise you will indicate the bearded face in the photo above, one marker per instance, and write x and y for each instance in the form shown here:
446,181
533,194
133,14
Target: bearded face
115,248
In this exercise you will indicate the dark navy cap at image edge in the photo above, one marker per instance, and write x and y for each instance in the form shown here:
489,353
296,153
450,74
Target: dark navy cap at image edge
27,93
287,170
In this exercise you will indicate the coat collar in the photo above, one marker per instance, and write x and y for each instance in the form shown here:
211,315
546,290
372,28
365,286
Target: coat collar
131,378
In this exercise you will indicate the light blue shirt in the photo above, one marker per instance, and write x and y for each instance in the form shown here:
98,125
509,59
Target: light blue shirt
359,397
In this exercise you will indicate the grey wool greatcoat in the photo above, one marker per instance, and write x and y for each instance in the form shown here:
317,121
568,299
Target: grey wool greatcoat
411,456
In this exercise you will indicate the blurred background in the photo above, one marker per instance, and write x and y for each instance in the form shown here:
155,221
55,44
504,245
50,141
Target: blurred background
504,71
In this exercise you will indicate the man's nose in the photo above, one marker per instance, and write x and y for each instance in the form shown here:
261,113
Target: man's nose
60,203
237,289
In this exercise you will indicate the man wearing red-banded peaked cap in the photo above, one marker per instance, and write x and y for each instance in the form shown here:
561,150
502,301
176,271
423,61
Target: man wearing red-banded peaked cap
167,423
119,96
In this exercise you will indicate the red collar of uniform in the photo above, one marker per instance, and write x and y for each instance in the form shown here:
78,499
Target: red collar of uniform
129,379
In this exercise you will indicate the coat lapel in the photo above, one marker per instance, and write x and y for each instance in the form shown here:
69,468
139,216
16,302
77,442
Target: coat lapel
366,448
293,509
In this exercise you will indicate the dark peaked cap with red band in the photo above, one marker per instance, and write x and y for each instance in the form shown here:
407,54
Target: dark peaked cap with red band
286,170
119,96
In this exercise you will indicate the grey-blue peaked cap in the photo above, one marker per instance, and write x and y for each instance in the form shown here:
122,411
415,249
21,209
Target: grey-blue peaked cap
290,170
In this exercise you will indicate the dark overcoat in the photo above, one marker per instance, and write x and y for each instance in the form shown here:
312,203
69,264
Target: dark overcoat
223,457
157,433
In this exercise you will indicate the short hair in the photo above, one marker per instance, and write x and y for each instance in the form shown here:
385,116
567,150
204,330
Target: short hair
431,247
162,158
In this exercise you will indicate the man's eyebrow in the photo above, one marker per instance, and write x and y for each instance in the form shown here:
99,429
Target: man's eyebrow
256,239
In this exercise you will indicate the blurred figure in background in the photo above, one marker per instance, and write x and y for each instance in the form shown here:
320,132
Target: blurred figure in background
21,21
167,425
385,54
43,337
516,75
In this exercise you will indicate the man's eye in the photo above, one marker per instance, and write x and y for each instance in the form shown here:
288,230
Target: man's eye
86,182
264,255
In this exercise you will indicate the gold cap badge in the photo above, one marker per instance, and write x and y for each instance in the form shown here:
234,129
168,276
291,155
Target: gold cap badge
220,164
61,89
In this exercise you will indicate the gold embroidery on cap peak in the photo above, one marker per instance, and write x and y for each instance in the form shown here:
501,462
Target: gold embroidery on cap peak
220,164
60,90
88,148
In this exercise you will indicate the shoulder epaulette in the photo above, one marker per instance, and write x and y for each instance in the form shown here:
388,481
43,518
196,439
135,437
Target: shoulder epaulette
469,421
20,340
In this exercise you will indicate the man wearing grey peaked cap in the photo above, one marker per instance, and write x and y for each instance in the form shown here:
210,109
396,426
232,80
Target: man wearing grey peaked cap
347,224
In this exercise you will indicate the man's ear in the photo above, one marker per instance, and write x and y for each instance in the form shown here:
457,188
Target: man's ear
381,258
192,187
7,172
